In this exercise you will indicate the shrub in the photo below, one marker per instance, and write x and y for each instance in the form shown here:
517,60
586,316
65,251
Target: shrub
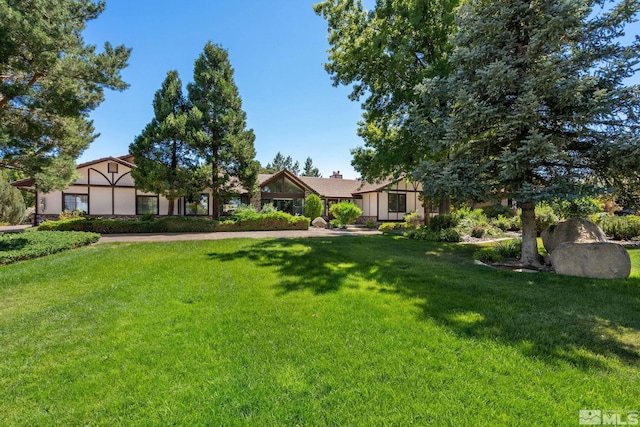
22,246
576,208
12,207
508,249
478,232
312,206
146,217
66,214
442,222
413,218
505,223
370,224
426,233
394,226
545,217
621,227
494,211
268,208
345,212
468,218
245,221
245,212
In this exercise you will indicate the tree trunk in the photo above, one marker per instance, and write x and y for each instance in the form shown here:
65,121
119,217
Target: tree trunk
172,204
530,256
426,205
215,213
445,206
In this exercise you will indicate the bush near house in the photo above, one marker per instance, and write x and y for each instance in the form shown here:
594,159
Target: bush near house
345,212
22,246
312,206
620,227
245,221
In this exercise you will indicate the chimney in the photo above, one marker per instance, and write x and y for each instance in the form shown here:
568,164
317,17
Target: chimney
336,175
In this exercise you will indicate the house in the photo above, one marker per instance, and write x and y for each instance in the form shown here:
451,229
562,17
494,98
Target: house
106,188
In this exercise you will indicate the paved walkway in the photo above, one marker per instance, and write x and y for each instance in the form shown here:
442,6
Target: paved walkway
168,237
13,228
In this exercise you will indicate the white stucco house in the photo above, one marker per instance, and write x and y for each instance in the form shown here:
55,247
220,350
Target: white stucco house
106,188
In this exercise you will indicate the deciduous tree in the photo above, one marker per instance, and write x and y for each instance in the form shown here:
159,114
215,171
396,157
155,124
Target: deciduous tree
50,80
384,53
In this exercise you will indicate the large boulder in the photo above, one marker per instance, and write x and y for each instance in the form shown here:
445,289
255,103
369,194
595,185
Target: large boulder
319,222
600,260
574,230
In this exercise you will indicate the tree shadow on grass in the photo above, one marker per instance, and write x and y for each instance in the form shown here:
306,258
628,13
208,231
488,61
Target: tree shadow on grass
545,316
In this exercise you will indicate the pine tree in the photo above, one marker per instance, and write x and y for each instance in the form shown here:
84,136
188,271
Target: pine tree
50,80
310,170
12,207
223,142
166,163
537,107
282,163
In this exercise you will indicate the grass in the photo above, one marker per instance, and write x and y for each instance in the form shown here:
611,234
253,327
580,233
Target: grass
339,331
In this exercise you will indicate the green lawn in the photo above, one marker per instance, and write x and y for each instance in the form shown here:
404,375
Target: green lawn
365,331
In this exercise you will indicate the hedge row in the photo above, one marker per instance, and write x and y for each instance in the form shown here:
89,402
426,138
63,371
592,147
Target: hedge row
22,246
179,224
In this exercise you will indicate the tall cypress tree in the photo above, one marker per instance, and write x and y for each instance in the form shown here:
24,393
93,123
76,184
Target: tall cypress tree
166,163
537,106
223,141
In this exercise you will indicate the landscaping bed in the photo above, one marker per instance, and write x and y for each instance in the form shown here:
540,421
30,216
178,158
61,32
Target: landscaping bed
180,224
22,246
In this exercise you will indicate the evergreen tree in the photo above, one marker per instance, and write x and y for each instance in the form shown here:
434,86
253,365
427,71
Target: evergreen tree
537,107
310,170
281,163
166,163
12,207
223,142
50,80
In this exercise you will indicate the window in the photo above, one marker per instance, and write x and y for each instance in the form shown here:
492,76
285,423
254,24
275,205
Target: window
397,202
291,188
112,167
197,206
76,202
146,205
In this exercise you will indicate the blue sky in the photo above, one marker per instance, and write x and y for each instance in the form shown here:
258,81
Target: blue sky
277,49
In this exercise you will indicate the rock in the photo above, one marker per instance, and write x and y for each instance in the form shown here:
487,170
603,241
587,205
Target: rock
319,223
600,260
574,230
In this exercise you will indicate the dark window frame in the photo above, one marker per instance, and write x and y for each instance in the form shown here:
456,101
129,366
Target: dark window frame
186,202
64,204
400,203
157,212
112,167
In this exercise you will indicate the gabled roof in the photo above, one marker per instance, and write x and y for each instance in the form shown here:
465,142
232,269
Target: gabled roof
108,159
265,179
27,183
332,188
